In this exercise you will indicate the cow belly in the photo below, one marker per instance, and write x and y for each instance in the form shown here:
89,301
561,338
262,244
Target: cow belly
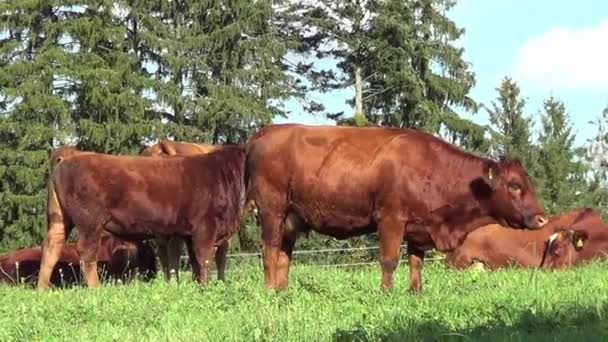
141,223
332,220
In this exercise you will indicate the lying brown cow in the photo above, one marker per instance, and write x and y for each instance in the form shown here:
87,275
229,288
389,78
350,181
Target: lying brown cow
582,243
495,246
117,259
170,247
346,181
134,197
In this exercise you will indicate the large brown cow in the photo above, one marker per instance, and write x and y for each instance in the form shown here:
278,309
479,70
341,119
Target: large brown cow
581,243
345,181
495,246
170,247
134,197
116,258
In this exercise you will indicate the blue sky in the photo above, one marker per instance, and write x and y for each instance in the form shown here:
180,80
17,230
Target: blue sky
549,49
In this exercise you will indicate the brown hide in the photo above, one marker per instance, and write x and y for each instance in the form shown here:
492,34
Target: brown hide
581,243
170,247
136,197
497,246
172,148
345,181
116,258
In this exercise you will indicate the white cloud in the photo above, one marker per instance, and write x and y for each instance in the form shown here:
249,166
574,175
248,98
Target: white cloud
566,59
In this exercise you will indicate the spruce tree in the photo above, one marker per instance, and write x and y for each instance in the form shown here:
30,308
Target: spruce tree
399,57
107,79
597,153
562,173
219,66
511,127
596,159
35,116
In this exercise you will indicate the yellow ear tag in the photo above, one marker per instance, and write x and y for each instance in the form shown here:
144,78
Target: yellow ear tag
579,243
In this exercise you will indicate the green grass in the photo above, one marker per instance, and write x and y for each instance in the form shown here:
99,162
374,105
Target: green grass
321,304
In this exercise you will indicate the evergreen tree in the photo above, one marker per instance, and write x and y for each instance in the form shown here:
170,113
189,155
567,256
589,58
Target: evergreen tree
597,153
511,127
399,57
35,116
220,66
597,160
106,78
562,172
113,76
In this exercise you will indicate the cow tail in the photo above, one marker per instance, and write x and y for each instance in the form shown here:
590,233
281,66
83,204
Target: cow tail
249,164
56,233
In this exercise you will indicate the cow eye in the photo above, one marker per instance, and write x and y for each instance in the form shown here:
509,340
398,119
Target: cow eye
515,187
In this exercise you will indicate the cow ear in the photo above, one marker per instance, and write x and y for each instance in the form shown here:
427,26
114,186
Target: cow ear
490,176
578,239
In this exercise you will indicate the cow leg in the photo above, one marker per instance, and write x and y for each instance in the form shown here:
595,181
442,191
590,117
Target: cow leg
390,231
220,260
416,259
51,250
163,257
174,253
283,263
292,227
203,251
272,238
192,257
88,245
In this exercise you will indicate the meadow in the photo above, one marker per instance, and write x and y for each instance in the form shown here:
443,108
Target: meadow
322,304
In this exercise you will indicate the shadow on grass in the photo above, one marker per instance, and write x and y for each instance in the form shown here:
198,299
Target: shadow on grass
575,324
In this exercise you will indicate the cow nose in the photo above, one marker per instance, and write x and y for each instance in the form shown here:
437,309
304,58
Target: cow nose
537,221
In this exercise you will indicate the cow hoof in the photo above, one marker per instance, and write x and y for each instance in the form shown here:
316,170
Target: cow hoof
478,266
415,291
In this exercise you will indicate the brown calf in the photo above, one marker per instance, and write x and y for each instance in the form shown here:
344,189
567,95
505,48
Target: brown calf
116,258
170,247
199,197
495,246
580,244
345,181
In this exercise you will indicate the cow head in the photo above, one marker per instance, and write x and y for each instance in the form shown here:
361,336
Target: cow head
512,195
563,247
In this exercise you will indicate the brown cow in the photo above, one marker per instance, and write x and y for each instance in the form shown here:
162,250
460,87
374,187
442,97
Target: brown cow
117,259
580,244
495,246
134,197
170,247
345,181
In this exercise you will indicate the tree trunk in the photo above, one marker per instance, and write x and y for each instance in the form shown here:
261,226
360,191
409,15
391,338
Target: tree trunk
358,91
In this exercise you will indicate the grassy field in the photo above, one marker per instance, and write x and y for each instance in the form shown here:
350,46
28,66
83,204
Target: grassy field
322,304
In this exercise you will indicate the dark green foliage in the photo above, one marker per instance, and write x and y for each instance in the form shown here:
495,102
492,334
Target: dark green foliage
218,66
35,116
411,74
114,76
561,171
512,136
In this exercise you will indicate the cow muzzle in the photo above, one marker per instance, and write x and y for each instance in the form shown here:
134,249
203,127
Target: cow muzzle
536,221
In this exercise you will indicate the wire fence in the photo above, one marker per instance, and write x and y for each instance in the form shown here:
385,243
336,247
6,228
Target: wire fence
402,260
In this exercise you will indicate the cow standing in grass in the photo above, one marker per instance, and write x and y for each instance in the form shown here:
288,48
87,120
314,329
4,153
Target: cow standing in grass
170,247
199,197
345,181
